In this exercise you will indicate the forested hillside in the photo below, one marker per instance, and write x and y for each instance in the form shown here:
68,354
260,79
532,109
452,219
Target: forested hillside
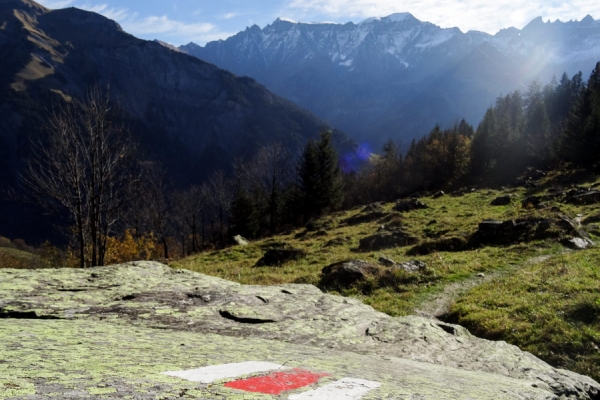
544,127
189,116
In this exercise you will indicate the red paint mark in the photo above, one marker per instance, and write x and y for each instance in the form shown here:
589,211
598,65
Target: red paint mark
277,382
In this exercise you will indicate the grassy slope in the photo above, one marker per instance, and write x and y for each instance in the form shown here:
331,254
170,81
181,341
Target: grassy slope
550,308
18,259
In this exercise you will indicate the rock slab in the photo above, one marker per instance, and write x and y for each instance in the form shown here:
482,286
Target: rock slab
158,302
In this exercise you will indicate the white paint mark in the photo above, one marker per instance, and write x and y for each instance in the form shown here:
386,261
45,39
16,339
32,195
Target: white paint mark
217,372
345,389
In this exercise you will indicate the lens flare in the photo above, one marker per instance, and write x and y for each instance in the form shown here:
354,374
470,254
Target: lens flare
352,161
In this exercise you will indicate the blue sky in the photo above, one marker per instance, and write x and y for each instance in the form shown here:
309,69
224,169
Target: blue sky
181,21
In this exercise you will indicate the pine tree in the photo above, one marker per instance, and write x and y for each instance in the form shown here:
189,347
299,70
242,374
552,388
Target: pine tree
482,149
320,178
581,140
537,126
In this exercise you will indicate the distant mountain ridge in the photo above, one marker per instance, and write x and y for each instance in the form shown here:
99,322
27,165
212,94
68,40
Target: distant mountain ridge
192,116
398,76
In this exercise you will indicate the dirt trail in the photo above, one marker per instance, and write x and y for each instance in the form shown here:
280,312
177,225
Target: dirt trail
438,304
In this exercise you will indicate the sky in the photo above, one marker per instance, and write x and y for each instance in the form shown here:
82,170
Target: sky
182,21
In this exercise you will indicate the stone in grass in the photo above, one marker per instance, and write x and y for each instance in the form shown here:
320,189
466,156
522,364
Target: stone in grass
590,197
501,201
577,243
240,241
408,266
276,257
346,273
387,262
373,207
409,205
412,266
496,233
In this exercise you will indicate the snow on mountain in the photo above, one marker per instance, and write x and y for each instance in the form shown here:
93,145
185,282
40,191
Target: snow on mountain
400,75
398,17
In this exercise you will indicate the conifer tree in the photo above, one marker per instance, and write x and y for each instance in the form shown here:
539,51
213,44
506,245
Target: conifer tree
581,141
320,177
481,149
537,127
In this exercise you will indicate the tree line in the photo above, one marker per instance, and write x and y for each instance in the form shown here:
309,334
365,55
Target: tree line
88,171
543,127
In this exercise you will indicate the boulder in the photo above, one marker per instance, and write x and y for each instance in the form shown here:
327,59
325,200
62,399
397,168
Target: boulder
492,232
346,273
501,201
277,257
412,266
531,201
387,262
589,197
240,241
373,207
137,320
409,205
462,191
578,243
439,194
572,227
526,229
386,240
391,223
408,266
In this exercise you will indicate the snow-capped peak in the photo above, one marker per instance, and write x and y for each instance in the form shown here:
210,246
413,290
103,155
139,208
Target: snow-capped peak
398,17
283,19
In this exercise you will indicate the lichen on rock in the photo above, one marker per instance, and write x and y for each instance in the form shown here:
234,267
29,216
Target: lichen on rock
133,300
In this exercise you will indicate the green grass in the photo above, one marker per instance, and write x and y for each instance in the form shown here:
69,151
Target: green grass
18,259
450,216
551,309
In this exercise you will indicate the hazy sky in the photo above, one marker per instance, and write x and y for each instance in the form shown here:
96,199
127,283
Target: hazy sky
181,21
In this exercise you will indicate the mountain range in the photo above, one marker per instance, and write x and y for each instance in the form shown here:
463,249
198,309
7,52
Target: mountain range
398,76
192,116
384,77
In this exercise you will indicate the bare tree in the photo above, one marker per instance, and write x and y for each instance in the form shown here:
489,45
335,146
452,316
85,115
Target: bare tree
219,195
157,203
84,168
190,206
268,174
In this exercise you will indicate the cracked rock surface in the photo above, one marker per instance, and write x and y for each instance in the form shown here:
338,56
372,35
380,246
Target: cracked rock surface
152,296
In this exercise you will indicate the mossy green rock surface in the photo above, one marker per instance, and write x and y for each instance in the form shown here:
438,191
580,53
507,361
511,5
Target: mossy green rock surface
111,332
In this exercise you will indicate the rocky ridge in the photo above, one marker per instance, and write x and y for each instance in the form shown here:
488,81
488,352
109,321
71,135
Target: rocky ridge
377,76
